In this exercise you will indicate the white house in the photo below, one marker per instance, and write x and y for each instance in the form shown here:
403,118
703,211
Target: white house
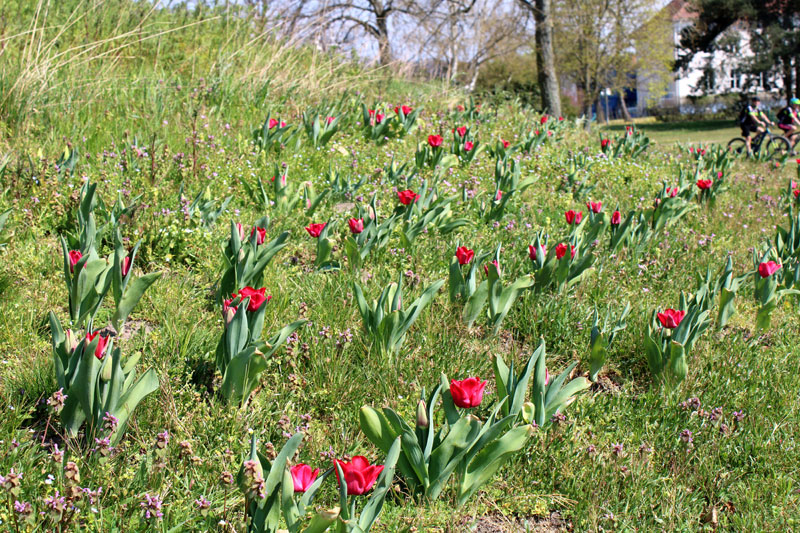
714,73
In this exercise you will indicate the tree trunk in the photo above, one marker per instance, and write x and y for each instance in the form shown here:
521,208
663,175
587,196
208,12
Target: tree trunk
474,80
545,62
788,85
625,114
384,50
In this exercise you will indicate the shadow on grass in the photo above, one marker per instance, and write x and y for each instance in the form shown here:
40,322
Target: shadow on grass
666,127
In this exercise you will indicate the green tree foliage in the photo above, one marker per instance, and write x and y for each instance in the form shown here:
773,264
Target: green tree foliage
601,44
772,27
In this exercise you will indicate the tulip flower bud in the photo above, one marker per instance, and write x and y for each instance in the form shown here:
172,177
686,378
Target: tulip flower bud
72,340
228,314
422,415
241,254
528,412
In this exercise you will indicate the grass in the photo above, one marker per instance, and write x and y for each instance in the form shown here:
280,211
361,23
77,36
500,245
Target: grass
617,461
694,132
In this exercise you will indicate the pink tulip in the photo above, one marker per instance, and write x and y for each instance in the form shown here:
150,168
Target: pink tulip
467,393
303,477
359,475
74,257
767,269
670,318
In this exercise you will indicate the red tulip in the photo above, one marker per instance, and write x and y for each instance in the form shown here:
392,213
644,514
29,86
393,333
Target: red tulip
303,477
796,193
704,184
359,475
407,197
543,119
604,143
496,267
673,192
404,108
560,119
573,217
435,140
594,207
315,229
274,122
74,257
461,131
719,175
356,225
767,269
468,146
257,297
532,252
561,251
670,318
262,234
460,107
228,311
616,218
99,352
506,144
536,132
498,196
330,119
125,267
464,255
468,392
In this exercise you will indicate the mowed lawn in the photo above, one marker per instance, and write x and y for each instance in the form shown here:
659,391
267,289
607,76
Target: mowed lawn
694,132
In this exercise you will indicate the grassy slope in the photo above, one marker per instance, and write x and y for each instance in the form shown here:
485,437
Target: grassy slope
749,473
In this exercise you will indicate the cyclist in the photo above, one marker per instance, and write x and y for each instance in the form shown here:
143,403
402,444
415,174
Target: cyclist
753,119
788,120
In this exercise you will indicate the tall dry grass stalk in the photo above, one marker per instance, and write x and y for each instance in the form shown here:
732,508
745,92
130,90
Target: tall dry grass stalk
62,57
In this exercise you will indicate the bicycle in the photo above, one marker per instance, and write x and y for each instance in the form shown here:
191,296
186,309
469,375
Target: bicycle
775,147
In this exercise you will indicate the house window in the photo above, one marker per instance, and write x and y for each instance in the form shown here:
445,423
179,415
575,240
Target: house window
735,79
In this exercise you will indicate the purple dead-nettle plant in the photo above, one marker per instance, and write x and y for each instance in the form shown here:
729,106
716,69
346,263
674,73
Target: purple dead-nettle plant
152,507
